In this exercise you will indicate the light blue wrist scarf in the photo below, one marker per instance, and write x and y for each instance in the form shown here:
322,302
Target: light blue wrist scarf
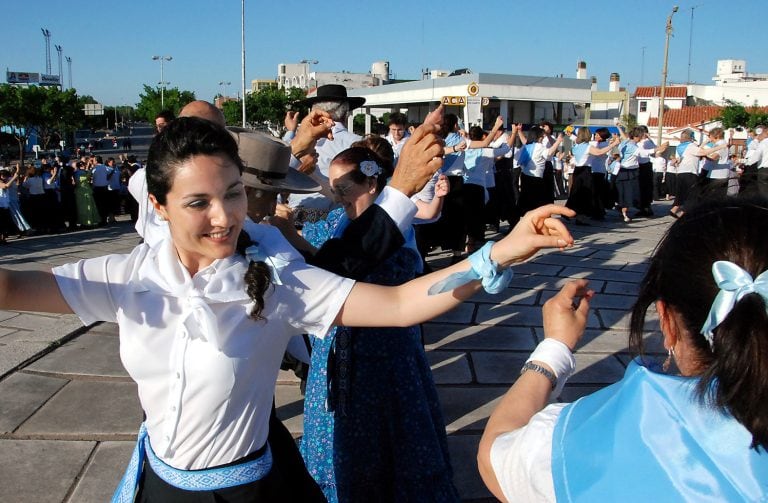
483,268
734,283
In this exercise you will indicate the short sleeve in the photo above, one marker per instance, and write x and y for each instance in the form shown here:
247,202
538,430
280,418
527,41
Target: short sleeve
92,287
310,297
522,459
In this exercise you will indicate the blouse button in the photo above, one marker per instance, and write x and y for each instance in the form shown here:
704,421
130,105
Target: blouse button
178,375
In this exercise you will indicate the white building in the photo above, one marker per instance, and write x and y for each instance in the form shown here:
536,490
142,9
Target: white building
299,75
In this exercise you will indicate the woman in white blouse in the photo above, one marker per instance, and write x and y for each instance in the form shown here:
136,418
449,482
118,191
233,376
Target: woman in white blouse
205,316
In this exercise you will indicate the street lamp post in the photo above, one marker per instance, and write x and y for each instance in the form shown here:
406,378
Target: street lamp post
224,85
61,75
664,74
242,55
162,82
47,35
69,67
690,45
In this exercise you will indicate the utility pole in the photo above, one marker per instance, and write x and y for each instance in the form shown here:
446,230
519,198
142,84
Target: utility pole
690,45
69,65
242,34
47,35
664,74
61,75
162,82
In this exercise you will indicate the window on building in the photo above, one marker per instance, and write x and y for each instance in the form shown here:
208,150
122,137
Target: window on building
643,106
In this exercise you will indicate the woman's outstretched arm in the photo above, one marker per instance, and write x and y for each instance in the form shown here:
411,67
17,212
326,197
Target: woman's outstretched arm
31,291
409,304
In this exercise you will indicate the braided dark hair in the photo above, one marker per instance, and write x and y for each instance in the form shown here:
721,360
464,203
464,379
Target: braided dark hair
257,278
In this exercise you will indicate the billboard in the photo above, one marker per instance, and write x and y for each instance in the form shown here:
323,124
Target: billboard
49,80
32,78
22,77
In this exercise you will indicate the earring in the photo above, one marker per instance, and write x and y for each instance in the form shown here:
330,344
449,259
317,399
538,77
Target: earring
668,361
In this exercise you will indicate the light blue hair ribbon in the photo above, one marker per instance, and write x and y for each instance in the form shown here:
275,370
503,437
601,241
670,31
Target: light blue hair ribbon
483,268
734,283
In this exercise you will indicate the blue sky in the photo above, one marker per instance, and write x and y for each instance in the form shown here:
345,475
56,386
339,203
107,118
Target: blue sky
111,43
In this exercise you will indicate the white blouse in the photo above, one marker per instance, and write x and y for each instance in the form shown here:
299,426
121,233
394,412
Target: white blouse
205,371
522,459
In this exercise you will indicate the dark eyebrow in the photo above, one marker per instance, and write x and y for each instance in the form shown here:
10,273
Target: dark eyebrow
232,186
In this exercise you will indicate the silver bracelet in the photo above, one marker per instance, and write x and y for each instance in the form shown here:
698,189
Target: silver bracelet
535,367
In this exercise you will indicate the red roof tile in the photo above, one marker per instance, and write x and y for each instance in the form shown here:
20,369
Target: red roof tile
655,91
681,117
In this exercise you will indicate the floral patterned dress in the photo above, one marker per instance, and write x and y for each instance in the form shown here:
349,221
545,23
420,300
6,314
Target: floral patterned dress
373,428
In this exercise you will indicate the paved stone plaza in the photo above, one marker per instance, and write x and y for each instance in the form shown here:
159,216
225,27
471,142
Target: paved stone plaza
69,413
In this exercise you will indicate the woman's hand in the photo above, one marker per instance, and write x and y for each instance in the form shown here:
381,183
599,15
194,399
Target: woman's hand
536,230
442,187
283,219
565,314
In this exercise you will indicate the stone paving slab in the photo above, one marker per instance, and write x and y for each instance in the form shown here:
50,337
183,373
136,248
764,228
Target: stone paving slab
87,410
466,477
517,296
533,282
289,405
466,409
449,367
498,367
90,355
463,314
596,369
102,472
590,274
16,353
519,316
23,394
40,471
440,336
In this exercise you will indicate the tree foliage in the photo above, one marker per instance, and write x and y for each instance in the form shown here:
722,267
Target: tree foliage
629,121
265,107
46,111
152,101
734,115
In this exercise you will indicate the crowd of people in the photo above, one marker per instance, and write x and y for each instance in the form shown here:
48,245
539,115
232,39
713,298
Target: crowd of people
256,251
61,195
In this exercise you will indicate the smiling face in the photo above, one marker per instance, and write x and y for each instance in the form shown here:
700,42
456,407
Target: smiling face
205,209
354,197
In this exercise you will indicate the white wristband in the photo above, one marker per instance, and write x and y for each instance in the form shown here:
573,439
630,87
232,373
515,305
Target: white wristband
558,357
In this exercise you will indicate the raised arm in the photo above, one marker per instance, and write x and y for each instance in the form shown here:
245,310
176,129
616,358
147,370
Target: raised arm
622,134
489,137
529,395
604,150
704,152
551,151
410,303
432,209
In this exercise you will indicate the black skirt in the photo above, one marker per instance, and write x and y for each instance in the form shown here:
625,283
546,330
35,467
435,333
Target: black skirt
288,480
